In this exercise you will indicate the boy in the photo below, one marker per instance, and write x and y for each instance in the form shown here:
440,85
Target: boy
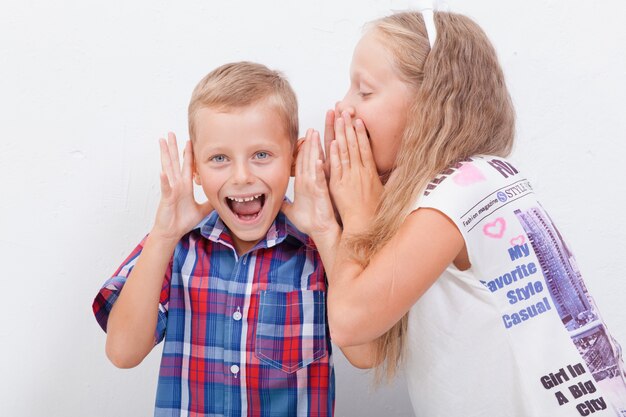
237,294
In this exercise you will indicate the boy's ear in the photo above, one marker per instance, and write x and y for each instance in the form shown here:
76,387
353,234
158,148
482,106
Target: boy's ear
294,158
194,172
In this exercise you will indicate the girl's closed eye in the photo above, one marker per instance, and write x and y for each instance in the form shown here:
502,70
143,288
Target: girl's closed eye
364,89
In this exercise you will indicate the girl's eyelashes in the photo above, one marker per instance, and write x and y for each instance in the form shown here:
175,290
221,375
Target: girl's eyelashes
364,94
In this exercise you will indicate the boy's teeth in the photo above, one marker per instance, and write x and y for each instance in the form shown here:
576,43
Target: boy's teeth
244,199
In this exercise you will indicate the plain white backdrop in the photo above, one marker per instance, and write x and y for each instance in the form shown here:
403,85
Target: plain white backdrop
87,88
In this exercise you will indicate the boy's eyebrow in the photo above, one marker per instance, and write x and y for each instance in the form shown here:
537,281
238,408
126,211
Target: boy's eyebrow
212,149
252,143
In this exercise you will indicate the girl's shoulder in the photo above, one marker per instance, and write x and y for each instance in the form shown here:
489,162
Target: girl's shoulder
470,182
475,172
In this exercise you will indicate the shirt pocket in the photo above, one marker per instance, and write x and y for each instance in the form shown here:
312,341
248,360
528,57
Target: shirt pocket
291,329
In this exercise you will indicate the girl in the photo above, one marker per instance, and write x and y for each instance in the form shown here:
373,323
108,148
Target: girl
446,262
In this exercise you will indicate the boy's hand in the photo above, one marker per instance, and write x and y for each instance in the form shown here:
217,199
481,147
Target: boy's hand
312,211
329,136
178,210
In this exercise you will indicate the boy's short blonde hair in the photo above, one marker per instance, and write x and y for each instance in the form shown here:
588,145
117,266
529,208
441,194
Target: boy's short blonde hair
240,84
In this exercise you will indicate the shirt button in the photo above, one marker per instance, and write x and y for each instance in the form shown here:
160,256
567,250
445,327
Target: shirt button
237,315
234,369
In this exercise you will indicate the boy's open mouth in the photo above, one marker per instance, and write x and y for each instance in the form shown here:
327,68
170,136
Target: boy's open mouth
246,208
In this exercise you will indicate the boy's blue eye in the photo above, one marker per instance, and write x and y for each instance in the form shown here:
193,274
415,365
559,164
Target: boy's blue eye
218,158
262,155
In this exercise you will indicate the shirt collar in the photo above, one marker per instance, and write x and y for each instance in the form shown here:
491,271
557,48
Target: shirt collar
281,229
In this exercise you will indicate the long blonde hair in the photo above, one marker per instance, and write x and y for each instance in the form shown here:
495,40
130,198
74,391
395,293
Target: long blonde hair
461,108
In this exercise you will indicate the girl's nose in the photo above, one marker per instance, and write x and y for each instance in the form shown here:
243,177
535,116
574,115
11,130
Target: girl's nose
342,106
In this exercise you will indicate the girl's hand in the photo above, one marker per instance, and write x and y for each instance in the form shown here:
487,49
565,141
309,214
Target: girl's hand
329,137
178,210
354,183
312,211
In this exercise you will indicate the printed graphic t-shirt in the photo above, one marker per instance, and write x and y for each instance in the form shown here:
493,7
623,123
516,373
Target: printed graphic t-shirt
517,334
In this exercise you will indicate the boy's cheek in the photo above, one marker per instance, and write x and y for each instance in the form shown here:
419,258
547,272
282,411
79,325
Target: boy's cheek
209,189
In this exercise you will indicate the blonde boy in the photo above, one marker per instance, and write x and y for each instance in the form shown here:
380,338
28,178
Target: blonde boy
231,286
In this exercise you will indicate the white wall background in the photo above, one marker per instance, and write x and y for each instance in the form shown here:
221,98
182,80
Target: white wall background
86,88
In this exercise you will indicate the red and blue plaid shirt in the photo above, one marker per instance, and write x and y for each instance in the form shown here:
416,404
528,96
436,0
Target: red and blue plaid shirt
244,336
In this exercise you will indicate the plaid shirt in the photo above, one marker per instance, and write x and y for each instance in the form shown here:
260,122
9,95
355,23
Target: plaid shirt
244,336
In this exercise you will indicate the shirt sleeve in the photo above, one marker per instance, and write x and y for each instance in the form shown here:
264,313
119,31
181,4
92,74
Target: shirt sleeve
106,297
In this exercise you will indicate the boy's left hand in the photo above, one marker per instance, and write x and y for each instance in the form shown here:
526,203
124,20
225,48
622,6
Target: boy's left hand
312,211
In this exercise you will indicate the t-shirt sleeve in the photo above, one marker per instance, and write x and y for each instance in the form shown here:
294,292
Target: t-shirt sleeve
453,190
475,195
110,291
468,191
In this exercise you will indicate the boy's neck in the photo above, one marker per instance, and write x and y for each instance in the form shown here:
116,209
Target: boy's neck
242,246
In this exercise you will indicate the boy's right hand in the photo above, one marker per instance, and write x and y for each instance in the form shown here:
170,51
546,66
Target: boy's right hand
178,210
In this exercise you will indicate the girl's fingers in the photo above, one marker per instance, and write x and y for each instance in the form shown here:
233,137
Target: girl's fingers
329,131
342,145
335,163
365,150
351,140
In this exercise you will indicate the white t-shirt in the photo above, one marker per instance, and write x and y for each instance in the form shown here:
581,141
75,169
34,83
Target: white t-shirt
517,334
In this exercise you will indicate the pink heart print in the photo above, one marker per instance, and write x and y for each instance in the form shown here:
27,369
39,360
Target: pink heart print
518,241
468,174
495,229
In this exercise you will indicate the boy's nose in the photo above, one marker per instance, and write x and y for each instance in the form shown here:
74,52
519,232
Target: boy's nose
242,173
